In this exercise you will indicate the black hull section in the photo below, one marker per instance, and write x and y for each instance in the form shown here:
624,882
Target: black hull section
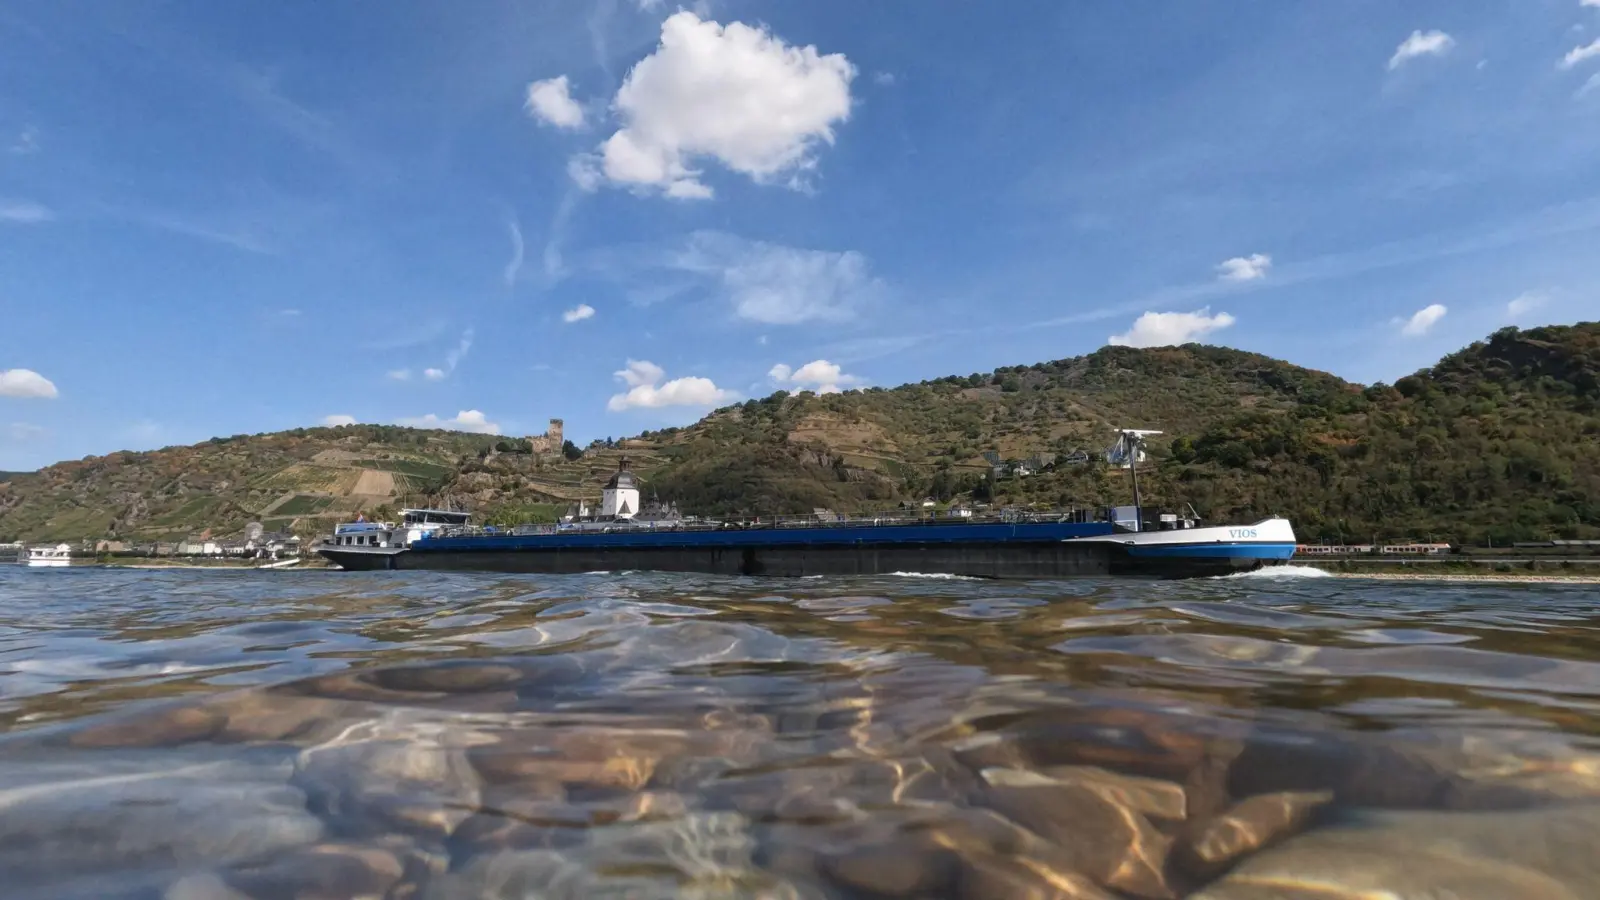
1058,559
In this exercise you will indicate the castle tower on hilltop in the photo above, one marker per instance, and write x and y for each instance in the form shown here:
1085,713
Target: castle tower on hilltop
550,441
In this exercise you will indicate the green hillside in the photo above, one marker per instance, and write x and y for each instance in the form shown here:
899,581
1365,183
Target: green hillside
1498,441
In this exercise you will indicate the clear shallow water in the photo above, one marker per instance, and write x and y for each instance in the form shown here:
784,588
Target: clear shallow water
205,734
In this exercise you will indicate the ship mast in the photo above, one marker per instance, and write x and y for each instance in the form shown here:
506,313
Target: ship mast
1130,441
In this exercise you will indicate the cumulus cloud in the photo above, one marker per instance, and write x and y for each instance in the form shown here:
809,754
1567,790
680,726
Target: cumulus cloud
24,212
1527,303
1430,43
433,374
26,383
550,101
1245,268
578,313
734,94
781,285
647,391
1165,329
1422,321
818,375
1579,54
466,420
334,421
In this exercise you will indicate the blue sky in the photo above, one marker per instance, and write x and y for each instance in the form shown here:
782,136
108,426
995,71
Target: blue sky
225,218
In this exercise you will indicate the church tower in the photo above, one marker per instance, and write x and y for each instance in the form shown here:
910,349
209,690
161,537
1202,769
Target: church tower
621,495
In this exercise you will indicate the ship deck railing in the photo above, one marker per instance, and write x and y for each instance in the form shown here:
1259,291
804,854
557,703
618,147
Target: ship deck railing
765,523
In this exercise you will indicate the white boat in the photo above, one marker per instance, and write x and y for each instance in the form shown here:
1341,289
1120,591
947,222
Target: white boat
46,557
388,538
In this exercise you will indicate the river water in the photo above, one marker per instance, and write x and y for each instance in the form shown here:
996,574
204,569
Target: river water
220,735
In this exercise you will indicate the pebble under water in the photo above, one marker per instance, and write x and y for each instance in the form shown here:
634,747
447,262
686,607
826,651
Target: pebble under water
224,735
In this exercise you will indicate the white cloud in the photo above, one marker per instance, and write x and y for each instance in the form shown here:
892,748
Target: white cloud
465,420
399,374
734,94
578,313
653,5
1431,43
550,101
1579,54
433,374
1590,86
20,432
646,391
1589,3
640,372
1526,303
335,421
1422,321
818,375
1245,268
26,383
883,79
24,212
1165,329
780,285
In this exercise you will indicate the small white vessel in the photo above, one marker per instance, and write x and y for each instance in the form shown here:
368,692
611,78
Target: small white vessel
46,557
387,538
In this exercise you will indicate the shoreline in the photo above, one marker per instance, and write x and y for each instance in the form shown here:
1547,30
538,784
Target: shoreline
1496,577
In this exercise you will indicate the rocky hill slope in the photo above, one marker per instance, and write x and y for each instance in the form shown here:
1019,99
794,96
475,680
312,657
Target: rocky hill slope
1498,441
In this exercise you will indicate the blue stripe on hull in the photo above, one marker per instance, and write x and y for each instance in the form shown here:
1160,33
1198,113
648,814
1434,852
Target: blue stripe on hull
778,537
1214,551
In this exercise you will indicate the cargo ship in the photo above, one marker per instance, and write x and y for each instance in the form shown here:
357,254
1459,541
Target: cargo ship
619,537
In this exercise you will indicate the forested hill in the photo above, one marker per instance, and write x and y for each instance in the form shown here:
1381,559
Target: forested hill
1501,440
1498,441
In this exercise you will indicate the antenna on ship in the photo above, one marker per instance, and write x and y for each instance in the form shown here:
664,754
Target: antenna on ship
1125,452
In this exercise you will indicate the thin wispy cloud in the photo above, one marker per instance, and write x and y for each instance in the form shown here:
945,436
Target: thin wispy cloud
514,266
776,284
1579,55
24,212
1422,321
26,143
1421,44
24,432
1526,303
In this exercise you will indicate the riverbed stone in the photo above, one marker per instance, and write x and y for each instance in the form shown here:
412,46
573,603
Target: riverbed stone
130,816
447,677
1111,843
404,772
151,728
324,871
1246,827
1545,854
